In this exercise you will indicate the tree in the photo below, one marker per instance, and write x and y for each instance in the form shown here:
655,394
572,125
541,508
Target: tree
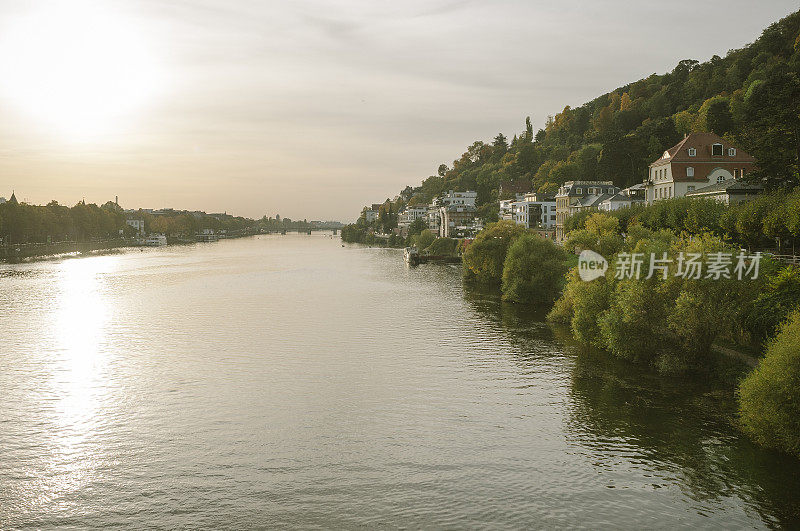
533,271
769,397
600,235
417,226
484,258
718,117
771,130
424,239
443,169
500,142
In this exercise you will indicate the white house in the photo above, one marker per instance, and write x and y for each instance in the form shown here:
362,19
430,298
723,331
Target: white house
699,160
467,198
137,224
535,211
410,214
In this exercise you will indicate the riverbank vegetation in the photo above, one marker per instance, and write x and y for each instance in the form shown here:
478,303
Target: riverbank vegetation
22,223
670,321
423,239
769,397
771,220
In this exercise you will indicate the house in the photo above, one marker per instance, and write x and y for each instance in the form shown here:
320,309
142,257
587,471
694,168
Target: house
729,191
137,224
410,214
505,211
467,198
574,196
626,198
535,211
456,219
370,215
699,160
434,220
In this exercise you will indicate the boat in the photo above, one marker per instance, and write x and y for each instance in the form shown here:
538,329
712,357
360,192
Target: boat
155,240
411,255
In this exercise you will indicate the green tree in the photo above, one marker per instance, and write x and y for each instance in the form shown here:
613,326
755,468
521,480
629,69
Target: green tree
424,239
484,258
769,397
534,270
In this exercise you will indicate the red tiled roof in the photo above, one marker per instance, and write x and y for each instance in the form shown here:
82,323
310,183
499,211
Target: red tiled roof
702,142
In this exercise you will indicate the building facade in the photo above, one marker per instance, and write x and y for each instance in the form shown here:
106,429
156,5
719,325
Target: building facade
370,215
410,214
730,192
137,224
573,196
699,160
456,220
467,198
535,211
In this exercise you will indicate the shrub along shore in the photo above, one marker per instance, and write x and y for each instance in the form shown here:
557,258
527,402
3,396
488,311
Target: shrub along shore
671,321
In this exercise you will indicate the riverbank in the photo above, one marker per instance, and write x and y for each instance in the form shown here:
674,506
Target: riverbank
12,253
671,322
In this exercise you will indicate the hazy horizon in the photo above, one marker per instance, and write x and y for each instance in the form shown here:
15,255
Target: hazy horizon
309,110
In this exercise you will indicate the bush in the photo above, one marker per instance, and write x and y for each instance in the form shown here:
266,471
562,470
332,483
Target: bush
424,239
443,247
780,296
589,301
769,397
601,234
484,258
534,270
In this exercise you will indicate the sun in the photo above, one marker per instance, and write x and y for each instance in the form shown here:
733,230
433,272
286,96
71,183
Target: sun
77,68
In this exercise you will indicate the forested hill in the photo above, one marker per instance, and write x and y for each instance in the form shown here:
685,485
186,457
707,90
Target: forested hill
751,97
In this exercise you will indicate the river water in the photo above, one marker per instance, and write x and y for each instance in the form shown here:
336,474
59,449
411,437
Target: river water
290,381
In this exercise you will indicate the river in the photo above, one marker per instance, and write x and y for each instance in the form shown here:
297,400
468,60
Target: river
290,381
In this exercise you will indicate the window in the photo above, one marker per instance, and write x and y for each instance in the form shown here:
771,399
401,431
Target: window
731,152
716,150
721,179
690,188
578,191
735,173
552,218
692,152
690,172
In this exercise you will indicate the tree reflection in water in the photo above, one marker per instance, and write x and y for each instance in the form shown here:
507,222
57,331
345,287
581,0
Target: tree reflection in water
677,431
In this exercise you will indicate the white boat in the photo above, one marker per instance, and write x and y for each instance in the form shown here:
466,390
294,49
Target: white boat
155,240
411,255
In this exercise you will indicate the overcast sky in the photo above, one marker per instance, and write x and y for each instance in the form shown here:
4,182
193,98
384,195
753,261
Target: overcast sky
313,109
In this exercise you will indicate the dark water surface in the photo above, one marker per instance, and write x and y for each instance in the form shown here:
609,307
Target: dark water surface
290,381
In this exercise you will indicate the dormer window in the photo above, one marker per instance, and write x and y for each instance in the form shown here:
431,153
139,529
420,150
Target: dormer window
692,152
716,150
690,172
578,191
731,152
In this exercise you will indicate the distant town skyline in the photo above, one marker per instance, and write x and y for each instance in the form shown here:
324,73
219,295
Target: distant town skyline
309,109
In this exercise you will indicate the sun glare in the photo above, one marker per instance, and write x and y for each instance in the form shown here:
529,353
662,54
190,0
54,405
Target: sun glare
77,68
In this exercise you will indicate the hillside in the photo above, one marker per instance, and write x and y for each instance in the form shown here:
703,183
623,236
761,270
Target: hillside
751,97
